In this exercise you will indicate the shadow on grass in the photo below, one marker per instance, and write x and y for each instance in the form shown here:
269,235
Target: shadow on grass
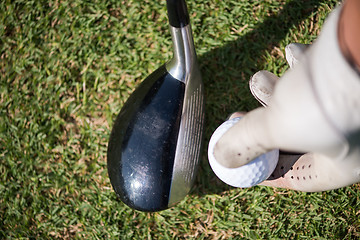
232,65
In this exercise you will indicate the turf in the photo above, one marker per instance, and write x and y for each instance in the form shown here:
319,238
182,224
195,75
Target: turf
67,67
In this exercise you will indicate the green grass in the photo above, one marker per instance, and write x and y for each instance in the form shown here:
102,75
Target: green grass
66,69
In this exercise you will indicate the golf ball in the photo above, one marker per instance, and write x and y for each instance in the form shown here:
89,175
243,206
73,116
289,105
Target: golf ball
245,176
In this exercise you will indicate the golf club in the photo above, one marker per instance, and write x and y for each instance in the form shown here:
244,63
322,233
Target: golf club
155,143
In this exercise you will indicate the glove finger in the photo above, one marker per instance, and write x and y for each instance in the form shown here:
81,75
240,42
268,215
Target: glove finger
294,52
262,86
247,175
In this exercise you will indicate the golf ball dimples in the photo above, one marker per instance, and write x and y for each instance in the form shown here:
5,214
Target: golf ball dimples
245,176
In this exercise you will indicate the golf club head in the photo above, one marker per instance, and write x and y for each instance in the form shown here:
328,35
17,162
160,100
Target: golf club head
155,143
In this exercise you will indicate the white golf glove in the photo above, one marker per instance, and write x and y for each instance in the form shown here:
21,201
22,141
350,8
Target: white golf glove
314,108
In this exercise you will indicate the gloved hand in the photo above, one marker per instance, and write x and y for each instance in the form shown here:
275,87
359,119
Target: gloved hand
293,170
314,108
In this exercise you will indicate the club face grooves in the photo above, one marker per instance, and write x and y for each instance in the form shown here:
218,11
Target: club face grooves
189,144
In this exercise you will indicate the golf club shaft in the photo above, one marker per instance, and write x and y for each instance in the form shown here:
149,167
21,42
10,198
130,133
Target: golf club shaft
184,61
177,13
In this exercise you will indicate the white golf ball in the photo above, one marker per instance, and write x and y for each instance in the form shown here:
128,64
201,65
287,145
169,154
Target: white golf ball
245,176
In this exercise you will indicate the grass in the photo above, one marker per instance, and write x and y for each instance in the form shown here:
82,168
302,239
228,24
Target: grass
66,69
